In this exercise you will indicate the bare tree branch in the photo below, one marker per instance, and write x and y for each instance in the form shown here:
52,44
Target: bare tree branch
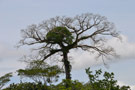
80,28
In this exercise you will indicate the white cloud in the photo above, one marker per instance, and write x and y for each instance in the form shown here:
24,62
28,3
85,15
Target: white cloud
8,51
9,58
83,59
132,87
124,84
124,48
11,65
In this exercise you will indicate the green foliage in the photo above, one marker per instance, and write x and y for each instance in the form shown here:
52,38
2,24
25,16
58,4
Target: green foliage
96,82
5,79
41,72
107,83
72,85
27,86
59,35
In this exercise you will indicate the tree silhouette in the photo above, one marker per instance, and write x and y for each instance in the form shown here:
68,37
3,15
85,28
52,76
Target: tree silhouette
59,35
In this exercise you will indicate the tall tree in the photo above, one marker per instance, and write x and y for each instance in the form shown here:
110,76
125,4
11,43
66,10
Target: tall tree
59,35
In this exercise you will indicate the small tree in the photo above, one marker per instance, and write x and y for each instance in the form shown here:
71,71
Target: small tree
5,79
107,83
40,72
59,35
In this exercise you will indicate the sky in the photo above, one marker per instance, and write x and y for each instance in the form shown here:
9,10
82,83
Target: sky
18,14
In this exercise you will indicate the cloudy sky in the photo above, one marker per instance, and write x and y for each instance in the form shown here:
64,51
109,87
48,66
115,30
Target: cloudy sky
18,14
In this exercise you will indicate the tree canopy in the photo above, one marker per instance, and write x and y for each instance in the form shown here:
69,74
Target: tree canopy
40,72
107,82
59,35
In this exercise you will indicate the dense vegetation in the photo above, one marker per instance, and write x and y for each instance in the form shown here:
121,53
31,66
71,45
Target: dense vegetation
97,81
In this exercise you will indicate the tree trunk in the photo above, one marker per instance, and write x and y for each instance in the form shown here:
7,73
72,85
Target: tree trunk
67,65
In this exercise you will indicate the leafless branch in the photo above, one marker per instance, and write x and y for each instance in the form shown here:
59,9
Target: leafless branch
83,27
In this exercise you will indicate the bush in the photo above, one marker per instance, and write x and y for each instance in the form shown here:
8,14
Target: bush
27,86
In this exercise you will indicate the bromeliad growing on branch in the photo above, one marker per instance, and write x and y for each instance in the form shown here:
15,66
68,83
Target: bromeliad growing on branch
59,35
